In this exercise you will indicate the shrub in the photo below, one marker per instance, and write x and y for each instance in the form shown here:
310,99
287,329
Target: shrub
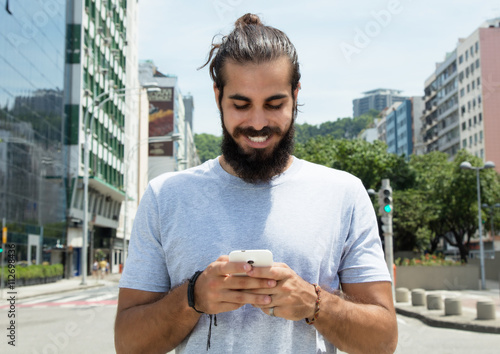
426,260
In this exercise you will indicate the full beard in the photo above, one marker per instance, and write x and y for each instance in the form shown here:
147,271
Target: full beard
257,165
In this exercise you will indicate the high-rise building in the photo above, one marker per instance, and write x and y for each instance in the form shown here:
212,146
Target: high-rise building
102,95
479,90
32,166
399,126
462,99
440,117
378,100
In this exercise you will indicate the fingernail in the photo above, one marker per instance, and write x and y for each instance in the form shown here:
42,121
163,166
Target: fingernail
247,267
271,283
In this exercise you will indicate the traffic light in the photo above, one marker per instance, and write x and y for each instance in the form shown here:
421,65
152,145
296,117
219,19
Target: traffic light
385,199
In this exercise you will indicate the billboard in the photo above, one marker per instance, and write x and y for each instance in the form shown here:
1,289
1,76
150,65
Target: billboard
161,120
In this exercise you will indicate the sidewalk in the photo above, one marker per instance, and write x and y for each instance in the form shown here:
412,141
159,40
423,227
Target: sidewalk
468,320
61,286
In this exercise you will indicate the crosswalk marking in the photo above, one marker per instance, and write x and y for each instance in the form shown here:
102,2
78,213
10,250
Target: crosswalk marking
100,299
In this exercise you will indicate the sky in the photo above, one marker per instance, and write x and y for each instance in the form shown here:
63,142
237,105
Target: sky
345,47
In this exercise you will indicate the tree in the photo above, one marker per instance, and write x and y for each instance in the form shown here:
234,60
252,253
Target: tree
207,146
368,161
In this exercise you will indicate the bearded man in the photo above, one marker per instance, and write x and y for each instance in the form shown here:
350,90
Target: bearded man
330,287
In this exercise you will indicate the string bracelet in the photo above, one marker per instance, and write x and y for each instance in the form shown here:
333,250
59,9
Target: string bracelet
318,302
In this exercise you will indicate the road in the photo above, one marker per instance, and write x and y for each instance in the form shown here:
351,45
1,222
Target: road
74,322
82,322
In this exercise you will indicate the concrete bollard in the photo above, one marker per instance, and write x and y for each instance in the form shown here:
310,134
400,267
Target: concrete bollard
434,302
452,306
402,295
485,310
418,297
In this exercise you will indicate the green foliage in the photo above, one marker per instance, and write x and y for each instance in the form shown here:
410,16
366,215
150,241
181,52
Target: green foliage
342,128
207,146
35,271
368,161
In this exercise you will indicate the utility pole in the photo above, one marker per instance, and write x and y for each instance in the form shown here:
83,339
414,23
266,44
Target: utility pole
385,211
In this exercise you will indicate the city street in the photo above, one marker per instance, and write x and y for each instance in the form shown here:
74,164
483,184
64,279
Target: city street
82,322
74,322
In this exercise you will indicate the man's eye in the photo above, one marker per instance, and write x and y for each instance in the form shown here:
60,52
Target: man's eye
245,106
270,106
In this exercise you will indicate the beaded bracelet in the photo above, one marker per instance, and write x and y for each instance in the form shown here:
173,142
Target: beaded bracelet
318,301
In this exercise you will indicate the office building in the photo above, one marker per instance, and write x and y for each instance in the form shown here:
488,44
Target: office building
170,115
33,194
378,100
101,96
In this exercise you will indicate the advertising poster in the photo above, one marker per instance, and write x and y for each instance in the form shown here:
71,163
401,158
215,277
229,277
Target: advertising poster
161,120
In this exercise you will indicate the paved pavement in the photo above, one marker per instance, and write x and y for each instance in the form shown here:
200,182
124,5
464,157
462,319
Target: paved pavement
61,286
468,320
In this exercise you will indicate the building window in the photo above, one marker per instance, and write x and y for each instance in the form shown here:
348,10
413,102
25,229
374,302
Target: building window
481,136
473,84
475,120
471,51
464,126
475,138
477,63
460,59
470,140
478,81
480,116
470,122
466,56
462,92
464,143
477,46
479,99
468,88
482,153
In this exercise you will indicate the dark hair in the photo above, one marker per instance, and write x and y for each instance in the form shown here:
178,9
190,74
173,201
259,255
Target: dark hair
251,41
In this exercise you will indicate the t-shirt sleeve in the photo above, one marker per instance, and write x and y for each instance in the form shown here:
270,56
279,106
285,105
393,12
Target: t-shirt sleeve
145,268
362,257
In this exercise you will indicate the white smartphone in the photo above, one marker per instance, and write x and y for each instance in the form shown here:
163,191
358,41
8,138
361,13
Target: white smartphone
256,258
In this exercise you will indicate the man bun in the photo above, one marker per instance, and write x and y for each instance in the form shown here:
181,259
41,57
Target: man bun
248,19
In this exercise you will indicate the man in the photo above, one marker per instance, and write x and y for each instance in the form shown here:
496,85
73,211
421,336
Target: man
318,222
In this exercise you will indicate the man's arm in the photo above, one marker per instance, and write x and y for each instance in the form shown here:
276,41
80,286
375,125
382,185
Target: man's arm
148,322
361,319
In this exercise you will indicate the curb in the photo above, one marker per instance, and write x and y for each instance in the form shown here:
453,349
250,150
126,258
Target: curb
433,322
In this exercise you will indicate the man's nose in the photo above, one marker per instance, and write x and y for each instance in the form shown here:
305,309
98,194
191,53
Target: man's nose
257,119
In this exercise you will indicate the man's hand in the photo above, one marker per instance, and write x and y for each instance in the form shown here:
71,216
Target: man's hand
216,290
293,298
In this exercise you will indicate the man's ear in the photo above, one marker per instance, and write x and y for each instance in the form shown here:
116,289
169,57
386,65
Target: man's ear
216,93
296,92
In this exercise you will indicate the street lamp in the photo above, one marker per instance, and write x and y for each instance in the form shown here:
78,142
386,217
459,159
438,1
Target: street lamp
158,139
87,132
467,166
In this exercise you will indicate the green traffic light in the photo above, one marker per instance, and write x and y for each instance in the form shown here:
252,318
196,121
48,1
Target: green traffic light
388,208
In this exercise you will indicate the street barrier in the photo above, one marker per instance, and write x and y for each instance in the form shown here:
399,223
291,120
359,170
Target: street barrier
402,295
452,306
434,302
485,310
418,297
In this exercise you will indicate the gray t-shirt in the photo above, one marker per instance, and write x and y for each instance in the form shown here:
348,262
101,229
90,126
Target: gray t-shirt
317,220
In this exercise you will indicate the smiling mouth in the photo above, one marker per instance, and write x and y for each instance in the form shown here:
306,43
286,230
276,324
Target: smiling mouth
258,139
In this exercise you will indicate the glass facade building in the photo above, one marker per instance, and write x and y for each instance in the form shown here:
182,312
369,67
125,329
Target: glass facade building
33,193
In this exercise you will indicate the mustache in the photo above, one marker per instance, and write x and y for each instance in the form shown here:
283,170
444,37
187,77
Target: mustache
249,131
